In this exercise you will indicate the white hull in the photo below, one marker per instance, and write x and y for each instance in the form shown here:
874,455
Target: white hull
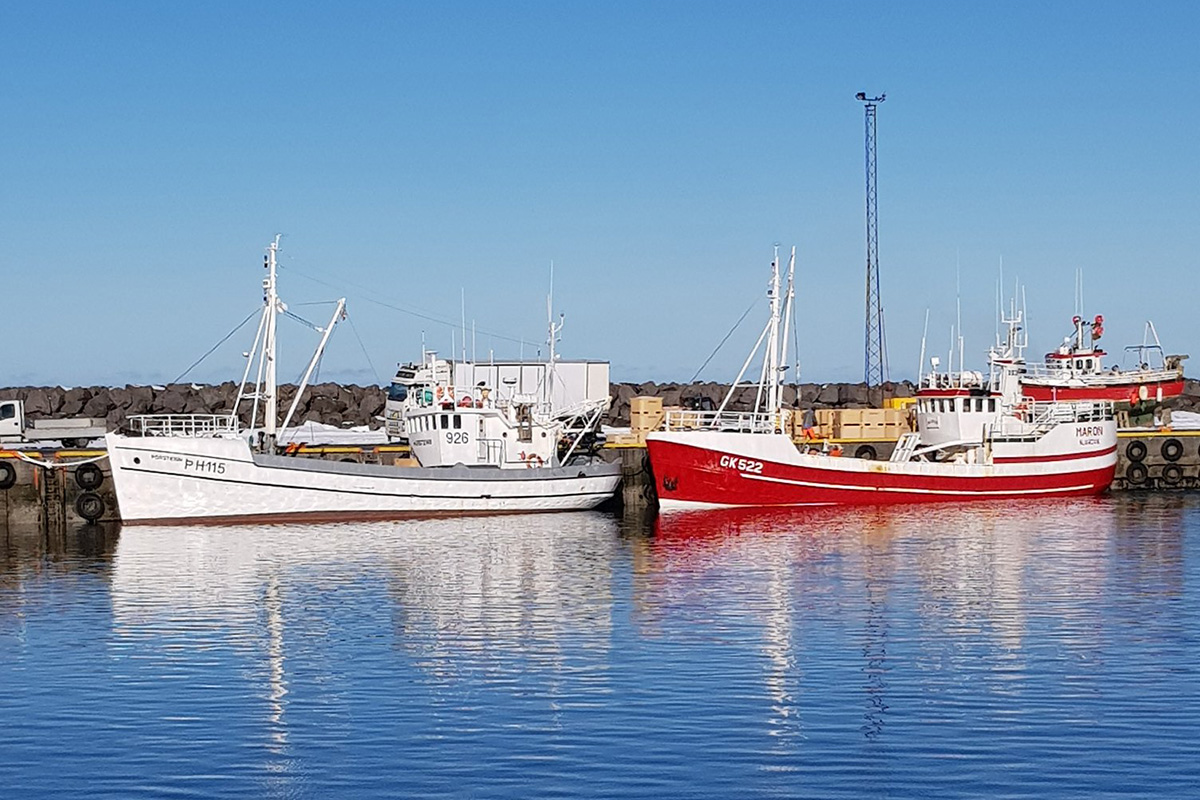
219,479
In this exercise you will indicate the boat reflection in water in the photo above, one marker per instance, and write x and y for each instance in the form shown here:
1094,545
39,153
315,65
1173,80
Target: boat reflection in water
954,593
445,598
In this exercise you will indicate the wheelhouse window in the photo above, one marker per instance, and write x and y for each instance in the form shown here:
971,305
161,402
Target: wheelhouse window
445,421
457,421
992,405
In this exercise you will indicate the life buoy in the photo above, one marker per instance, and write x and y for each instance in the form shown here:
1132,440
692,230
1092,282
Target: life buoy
534,460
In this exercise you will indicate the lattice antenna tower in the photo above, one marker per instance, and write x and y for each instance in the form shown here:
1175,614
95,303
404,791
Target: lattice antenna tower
875,351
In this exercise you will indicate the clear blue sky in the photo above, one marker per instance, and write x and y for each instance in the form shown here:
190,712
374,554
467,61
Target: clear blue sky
653,151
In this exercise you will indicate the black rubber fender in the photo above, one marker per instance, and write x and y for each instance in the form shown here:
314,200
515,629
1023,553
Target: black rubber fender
8,475
1135,450
1172,449
88,476
1172,474
1137,474
90,506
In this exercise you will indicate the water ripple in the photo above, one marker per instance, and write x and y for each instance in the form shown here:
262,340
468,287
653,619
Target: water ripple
1002,650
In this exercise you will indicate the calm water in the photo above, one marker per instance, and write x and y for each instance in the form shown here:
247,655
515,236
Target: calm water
1000,650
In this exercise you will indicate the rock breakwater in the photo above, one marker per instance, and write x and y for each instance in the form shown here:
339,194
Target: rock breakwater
352,405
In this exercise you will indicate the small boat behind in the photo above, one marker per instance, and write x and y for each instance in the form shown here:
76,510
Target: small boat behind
1075,370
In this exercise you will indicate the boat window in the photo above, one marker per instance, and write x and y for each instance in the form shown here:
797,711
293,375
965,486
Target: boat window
8,411
992,404
457,421
397,392
445,421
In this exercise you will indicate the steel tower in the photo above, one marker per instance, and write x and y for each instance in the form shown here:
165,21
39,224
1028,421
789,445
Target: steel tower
875,367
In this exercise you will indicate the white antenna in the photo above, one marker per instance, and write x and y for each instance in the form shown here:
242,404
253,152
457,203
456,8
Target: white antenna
463,301
921,363
999,299
958,307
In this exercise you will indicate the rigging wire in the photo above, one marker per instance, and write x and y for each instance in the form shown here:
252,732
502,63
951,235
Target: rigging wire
401,309
196,363
723,341
366,355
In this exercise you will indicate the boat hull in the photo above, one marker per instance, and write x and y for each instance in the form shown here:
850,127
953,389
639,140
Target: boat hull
701,469
219,480
1116,392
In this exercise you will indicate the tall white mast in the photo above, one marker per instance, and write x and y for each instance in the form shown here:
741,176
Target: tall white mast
773,366
787,322
270,388
552,332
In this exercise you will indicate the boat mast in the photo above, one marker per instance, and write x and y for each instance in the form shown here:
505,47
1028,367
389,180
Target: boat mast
773,366
787,321
271,408
552,332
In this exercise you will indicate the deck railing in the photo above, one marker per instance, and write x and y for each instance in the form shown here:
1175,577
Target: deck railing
739,421
1045,371
184,425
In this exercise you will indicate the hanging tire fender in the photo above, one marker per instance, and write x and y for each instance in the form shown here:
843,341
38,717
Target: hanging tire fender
88,476
90,506
8,475
1172,449
1135,450
1137,474
1172,474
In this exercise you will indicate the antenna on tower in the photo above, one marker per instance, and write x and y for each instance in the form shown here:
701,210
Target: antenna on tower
875,355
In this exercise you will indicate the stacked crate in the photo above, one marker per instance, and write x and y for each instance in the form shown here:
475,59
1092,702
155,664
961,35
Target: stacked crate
645,415
873,424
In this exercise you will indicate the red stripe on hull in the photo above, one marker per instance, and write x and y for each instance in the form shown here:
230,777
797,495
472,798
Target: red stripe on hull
694,475
1117,392
1060,457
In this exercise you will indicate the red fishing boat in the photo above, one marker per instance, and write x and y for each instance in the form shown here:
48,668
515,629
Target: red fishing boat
1076,370
977,438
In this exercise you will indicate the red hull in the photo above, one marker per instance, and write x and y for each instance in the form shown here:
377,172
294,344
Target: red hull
687,475
1118,393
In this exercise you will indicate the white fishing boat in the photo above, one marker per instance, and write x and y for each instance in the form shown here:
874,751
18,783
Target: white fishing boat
482,458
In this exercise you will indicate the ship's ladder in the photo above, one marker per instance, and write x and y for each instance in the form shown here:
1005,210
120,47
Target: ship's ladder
905,446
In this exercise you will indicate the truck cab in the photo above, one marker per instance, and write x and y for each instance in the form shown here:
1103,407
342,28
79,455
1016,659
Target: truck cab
12,421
